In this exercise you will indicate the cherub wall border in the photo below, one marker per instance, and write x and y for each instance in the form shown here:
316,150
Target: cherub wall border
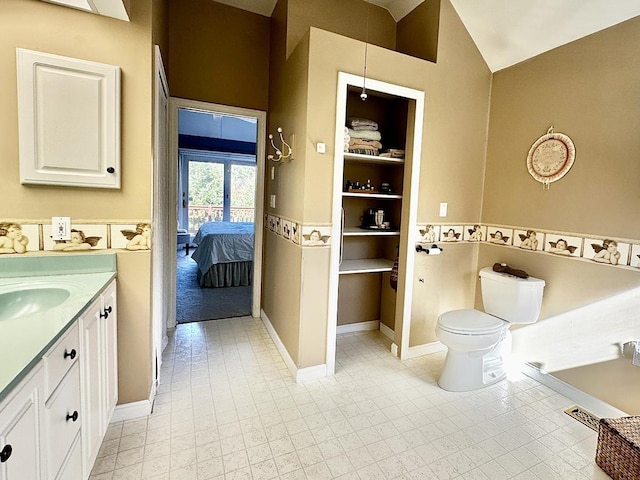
604,250
25,237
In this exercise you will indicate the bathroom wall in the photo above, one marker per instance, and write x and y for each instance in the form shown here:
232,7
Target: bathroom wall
64,31
218,54
586,91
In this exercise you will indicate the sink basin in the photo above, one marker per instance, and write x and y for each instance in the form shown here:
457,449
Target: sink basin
31,299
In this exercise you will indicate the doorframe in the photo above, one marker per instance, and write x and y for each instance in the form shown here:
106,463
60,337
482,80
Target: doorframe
162,285
408,227
175,104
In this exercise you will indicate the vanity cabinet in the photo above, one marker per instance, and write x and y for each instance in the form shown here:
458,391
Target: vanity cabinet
98,372
21,430
53,422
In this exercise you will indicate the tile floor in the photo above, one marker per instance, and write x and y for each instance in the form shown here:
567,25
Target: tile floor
227,408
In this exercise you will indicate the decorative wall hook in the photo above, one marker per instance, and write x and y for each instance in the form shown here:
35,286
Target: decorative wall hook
280,152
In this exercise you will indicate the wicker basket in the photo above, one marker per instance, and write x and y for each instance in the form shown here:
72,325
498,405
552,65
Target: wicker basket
618,452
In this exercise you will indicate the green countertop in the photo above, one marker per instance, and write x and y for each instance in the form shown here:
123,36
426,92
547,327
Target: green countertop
23,340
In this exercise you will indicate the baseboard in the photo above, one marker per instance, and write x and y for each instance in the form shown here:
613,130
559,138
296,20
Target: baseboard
299,374
358,327
426,349
387,332
132,410
588,402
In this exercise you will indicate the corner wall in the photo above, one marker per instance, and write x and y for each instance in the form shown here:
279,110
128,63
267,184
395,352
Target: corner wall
585,90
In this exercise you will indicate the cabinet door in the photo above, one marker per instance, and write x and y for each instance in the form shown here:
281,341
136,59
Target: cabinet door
110,342
20,453
69,121
92,389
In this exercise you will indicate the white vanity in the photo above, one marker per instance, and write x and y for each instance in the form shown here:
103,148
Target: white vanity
58,364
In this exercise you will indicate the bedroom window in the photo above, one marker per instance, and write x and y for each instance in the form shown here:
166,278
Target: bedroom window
219,187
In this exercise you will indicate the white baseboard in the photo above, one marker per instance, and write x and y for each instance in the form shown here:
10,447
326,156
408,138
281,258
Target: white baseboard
426,349
132,410
387,332
588,402
358,327
299,374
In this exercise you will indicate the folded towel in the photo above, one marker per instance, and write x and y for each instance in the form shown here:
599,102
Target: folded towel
365,134
358,143
357,123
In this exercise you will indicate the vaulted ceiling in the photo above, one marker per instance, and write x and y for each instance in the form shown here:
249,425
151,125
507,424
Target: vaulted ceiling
507,32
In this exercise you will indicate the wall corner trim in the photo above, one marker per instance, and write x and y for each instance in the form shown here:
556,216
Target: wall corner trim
593,404
299,374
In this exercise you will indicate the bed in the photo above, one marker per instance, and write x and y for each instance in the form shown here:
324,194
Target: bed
224,254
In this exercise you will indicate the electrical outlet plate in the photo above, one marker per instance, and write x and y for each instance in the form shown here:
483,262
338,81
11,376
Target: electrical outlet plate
61,228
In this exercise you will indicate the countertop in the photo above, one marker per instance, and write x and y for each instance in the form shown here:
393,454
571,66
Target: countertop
25,339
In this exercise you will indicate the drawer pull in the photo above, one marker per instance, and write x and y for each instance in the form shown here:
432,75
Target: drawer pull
111,170
71,354
5,453
73,416
106,313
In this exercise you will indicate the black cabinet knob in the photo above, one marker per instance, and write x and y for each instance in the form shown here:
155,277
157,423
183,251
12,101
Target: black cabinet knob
71,354
111,170
73,416
5,453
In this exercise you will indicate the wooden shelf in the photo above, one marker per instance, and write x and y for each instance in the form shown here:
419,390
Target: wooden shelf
385,196
367,265
371,159
362,232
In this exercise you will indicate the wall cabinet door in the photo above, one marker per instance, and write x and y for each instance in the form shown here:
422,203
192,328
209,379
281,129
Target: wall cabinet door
69,121
20,432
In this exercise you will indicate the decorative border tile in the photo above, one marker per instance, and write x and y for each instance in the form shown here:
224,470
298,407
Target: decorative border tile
474,233
606,251
428,233
451,233
635,256
528,239
500,236
565,245
316,236
86,236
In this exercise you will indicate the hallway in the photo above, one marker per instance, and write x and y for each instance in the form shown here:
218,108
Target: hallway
227,408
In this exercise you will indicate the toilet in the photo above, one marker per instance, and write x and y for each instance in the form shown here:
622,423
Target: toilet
478,342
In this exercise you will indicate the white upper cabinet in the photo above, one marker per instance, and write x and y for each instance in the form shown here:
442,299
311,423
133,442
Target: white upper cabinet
69,121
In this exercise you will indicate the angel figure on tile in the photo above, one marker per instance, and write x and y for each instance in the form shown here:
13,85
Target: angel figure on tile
498,237
140,239
78,241
11,238
314,238
475,234
428,234
607,252
529,241
451,236
561,247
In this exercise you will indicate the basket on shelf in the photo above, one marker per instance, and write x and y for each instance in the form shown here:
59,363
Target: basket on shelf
618,450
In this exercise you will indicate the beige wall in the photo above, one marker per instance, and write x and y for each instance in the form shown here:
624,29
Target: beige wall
218,54
64,31
584,90
417,33
352,18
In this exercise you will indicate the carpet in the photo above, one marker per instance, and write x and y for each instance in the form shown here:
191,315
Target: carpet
195,304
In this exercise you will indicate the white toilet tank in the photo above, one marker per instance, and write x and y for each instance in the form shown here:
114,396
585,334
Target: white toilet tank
513,299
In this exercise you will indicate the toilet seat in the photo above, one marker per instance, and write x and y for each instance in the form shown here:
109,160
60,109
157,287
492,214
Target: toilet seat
470,322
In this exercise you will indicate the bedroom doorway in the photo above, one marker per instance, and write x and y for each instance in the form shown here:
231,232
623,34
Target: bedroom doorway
219,163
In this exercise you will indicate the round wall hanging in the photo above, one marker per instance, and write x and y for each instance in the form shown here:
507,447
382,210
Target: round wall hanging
551,157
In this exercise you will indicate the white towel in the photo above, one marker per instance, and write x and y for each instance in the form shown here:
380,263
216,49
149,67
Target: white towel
365,134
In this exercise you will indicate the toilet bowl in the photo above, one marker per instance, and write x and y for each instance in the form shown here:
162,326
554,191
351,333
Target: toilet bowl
478,344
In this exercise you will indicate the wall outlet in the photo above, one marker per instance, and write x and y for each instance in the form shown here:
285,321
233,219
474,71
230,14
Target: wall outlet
321,147
61,228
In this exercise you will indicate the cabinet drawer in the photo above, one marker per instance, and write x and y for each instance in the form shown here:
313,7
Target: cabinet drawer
60,359
60,411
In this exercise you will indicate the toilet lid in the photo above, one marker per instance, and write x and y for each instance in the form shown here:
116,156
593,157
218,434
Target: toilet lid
470,322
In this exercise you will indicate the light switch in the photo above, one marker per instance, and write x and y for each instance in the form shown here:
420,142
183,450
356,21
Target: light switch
321,147
443,209
272,201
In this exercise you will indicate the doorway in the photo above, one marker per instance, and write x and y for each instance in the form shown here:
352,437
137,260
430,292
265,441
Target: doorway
218,165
